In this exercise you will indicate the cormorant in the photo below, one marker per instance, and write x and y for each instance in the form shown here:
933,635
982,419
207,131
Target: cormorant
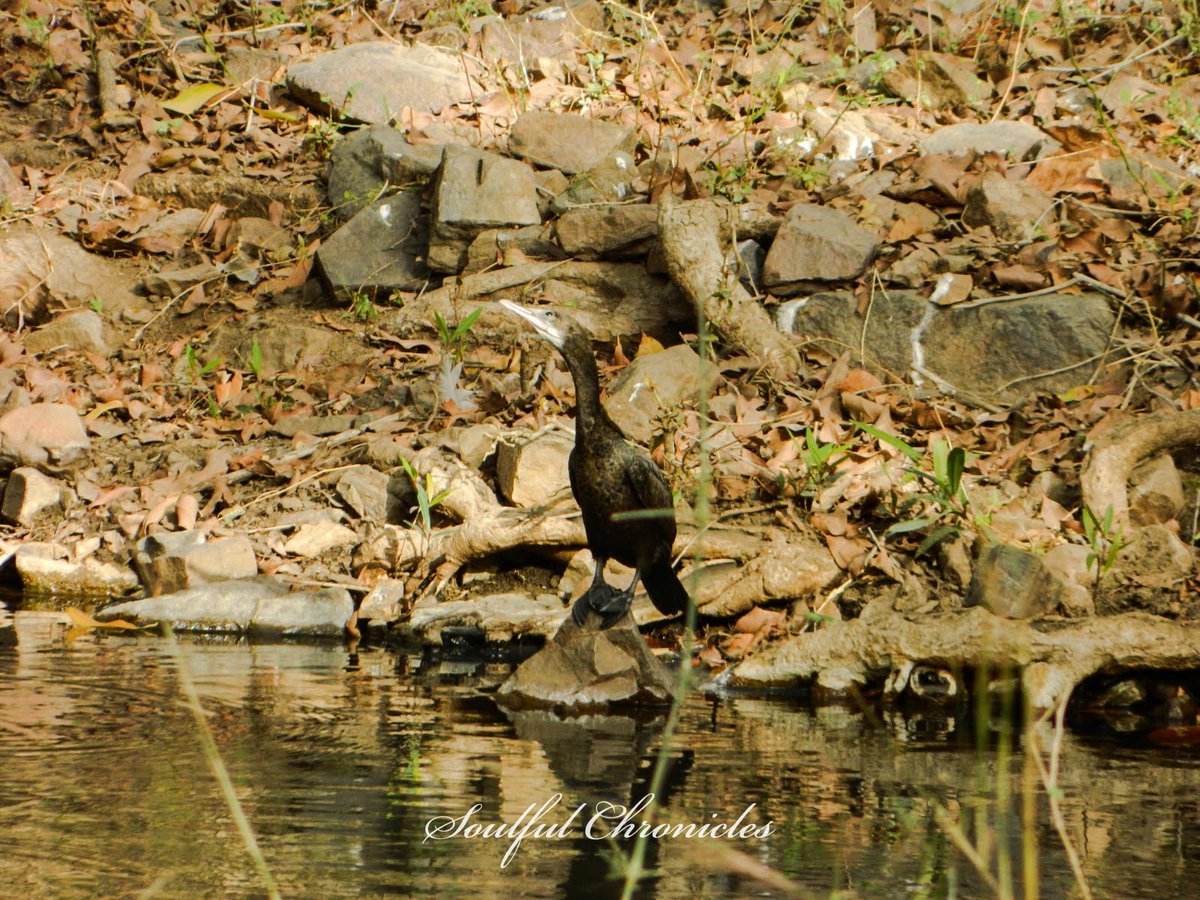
610,476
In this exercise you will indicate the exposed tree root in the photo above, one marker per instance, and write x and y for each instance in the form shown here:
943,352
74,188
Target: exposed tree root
1119,449
883,647
697,241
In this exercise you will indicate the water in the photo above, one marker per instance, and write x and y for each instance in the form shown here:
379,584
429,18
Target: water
341,759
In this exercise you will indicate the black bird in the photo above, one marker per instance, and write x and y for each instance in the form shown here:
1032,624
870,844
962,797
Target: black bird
611,477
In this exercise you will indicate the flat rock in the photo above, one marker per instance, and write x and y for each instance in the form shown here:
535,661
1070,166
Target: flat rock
816,244
568,142
315,538
1015,209
499,245
318,426
669,378
258,606
476,191
615,298
175,561
382,248
43,272
589,232
583,668
364,489
79,329
286,347
89,579
610,181
42,434
174,282
30,494
533,472
384,603
1012,583
372,82
498,618
545,35
1019,140
938,81
366,162
1155,491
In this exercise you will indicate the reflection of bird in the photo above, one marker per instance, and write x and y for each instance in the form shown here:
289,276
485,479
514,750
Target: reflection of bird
626,503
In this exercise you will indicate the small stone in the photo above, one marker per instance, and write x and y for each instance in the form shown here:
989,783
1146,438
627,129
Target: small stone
384,603
79,329
187,561
175,282
590,232
568,142
43,433
1155,491
1018,140
937,81
1068,564
365,490
30,494
1015,210
669,378
319,537
816,244
381,249
1012,583
533,473
259,239
609,182
89,579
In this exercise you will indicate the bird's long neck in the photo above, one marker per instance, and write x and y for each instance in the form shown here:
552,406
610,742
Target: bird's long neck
590,417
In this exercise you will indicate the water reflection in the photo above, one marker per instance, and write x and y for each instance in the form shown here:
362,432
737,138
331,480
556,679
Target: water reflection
340,760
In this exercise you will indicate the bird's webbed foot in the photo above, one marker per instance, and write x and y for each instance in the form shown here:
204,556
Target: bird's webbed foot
607,601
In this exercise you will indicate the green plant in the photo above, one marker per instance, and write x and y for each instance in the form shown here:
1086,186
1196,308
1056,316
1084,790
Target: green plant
256,360
942,508
96,305
361,306
819,460
194,366
1104,544
452,339
427,499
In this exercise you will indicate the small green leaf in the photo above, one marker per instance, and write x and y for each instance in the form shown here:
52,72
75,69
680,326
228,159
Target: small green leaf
191,99
891,440
910,525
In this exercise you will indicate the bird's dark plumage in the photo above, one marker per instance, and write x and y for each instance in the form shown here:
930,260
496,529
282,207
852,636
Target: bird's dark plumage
628,513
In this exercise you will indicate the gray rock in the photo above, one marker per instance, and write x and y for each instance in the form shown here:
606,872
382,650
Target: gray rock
496,619
473,444
609,182
30,494
1016,210
476,191
42,434
380,249
533,472
1068,564
319,426
1019,140
567,142
751,255
286,347
496,244
261,605
372,82
999,351
316,538
582,668
1012,583
366,162
253,237
938,81
384,603
1155,491
42,272
174,282
816,244
615,298
549,33
590,232
79,329
669,378
364,489
89,579
174,561
402,162
1147,574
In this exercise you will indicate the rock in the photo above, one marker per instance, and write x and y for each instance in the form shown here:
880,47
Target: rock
1019,140
582,668
79,329
384,603
590,232
568,142
316,538
256,238
1068,564
816,243
174,561
669,378
260,605
1013,583
1016,210
1155,491
473,444
30,494
497,245
402,162
381,249
364,163
364,489
42,434
176,282
42,272
317,426
476,191
937,81
544,36
550,183
311,353
615,298
498,618
609,182
533,472
89,579
751,256
1147,573
373,81
998,352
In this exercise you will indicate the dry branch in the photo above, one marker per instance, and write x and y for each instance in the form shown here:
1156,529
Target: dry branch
882,645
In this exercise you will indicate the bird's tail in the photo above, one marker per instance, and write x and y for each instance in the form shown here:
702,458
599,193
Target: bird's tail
663,585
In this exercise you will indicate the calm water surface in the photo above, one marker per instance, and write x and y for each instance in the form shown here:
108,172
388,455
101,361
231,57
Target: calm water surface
340,759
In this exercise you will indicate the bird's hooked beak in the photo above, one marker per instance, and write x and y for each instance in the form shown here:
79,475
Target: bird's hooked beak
545,322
